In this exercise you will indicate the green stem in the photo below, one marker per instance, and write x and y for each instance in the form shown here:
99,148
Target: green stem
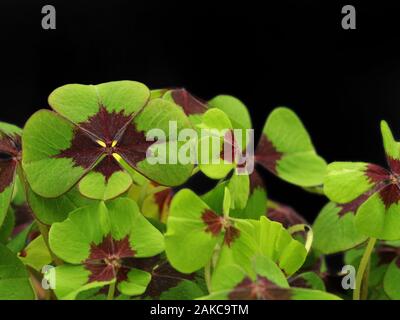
362,275
143,194
207,275
111,291
364,289
211,265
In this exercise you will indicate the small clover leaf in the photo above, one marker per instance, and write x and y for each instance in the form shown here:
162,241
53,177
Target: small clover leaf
194,230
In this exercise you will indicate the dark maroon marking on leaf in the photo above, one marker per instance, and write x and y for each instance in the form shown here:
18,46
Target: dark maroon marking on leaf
256,182
189,103
105,259
10,156
162,198
390,194
132,146
386,254
231,147
267,155
107,167
213,222
10,145
386,183
23,253
84,151
394,165
163,275
300,282
231,234
7,173
106,126
260,289
119,135
376,173
23,218
352,206
234,154
285,215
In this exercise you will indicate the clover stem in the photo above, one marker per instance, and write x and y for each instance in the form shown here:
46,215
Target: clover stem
111,291
362,274
364,288
211,265
207,275
143,194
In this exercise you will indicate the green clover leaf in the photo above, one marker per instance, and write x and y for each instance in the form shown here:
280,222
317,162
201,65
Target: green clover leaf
194,230
265,281
391,282
286,150
266,238
103,242
371,189
96,127
335,229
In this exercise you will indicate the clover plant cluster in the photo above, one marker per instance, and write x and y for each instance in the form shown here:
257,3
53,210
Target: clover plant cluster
86,214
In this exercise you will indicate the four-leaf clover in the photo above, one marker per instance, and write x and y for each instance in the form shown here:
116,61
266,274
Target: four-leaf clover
96,131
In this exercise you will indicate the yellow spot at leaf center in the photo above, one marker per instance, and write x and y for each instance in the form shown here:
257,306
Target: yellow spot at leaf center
101,143
117,156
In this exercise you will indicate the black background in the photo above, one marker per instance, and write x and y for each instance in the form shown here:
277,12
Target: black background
292,53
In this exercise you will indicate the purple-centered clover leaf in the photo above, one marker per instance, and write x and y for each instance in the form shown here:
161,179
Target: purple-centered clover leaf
264,281
286,150
194,230
369,191
94,132
103,241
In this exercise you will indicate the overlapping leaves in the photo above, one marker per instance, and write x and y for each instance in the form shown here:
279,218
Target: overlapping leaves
94,127
195,232
372,190
265,281
103,239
